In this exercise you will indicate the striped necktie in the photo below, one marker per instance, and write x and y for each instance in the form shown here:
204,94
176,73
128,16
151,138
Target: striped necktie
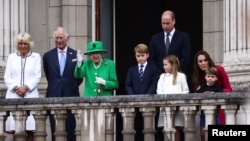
62,62
141,72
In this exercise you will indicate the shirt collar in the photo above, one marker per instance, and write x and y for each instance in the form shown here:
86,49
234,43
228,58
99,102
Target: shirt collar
144,64
171,32
65,49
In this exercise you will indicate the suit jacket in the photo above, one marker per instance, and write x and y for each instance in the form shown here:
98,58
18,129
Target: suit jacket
61,86
179,46
148,84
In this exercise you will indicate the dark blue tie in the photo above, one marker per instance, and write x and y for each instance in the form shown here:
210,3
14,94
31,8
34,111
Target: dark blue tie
167,42
62,62
141,72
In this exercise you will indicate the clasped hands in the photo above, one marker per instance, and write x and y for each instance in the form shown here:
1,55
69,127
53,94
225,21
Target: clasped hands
100,81
21,91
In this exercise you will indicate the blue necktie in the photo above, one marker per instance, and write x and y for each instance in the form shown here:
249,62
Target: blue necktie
62,62
141,72
167,42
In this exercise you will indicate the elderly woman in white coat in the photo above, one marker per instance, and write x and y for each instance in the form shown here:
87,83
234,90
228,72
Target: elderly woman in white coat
22,75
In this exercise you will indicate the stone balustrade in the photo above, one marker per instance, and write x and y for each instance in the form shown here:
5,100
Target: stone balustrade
96,116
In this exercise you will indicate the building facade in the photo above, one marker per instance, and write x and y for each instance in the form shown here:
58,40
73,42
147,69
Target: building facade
224,30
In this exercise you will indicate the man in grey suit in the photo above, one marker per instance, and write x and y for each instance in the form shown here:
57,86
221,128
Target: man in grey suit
59,72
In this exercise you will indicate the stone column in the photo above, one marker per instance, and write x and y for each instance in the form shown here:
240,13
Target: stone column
2,122
128,131
246,108
209,112
230,112
168,130
40,118
86,125
77,113
189,116
15,20
20,118
240,116
149,122
60,118
236,43
109,124
93,125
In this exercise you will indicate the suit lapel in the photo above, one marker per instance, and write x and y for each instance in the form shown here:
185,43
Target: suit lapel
69,58
173,40
54,60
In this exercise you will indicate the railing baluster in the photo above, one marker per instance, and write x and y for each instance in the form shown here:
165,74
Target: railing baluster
128,131
77,113
60,117
2,122
230,111
149,122
40,118
209,112
20,118
189,116
169,130
109,124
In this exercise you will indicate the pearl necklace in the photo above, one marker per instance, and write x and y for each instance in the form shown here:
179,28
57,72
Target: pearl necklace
97,66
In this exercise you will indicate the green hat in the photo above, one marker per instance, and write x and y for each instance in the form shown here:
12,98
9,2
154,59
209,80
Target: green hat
95,46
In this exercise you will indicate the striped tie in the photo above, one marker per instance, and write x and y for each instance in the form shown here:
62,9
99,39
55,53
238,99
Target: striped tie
141,72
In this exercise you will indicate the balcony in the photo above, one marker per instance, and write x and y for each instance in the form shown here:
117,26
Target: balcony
96,116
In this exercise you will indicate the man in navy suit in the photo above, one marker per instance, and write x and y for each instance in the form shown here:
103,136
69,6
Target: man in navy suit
179,43
61,82
169,42
141,79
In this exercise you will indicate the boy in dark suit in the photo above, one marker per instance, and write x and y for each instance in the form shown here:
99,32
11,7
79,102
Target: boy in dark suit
145,83
141,79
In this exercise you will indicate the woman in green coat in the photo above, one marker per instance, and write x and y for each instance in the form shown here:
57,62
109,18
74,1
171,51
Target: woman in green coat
99,73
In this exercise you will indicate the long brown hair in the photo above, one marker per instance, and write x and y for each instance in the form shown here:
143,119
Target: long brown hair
174,61
197,72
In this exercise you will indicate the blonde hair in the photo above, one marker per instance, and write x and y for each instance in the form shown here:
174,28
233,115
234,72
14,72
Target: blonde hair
174,61
141,48
24,37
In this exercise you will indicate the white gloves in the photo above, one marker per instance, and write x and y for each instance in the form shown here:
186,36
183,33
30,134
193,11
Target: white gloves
100,80
79,58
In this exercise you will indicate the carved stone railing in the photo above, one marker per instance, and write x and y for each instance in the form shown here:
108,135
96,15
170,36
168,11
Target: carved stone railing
95,116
